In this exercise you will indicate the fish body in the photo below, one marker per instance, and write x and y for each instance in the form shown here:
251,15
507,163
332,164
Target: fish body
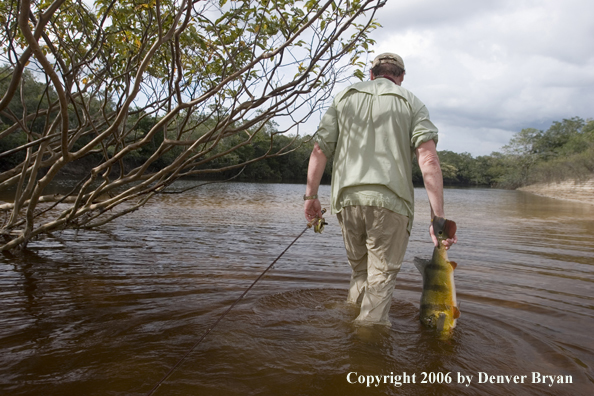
439,308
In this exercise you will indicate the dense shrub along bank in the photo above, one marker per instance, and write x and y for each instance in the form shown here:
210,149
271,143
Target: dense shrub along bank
564,151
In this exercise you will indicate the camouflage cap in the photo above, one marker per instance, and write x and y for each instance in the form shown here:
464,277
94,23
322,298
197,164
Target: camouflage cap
388,57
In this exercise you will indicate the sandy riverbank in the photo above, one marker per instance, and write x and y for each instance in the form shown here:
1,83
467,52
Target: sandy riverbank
568,190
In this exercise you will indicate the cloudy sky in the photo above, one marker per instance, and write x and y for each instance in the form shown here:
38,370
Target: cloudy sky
487,69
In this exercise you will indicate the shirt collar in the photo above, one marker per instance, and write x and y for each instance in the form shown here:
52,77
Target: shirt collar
388,77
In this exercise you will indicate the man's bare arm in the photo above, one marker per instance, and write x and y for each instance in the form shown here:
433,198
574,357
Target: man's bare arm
429,164
315,171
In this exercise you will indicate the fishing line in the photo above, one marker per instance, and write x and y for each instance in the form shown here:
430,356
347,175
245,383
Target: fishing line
235,303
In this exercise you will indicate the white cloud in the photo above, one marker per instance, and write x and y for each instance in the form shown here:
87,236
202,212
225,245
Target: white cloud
488,69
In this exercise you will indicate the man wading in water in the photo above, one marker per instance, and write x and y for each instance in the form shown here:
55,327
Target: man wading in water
372,130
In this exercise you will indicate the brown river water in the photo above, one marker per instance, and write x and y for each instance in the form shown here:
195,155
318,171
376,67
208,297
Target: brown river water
111,312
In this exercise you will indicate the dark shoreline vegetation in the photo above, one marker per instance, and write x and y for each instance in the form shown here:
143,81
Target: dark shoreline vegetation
564,151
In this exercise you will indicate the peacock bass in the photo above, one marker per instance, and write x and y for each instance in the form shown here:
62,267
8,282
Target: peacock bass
439,308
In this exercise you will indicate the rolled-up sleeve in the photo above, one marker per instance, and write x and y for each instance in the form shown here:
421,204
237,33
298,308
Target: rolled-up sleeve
327,133
423,129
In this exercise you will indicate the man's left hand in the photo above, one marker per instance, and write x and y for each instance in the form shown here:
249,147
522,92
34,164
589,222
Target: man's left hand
447,243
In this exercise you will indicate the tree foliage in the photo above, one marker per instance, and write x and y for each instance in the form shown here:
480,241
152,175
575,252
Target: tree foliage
564,151
131,95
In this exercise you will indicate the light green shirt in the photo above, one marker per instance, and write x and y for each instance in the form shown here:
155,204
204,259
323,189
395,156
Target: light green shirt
372,129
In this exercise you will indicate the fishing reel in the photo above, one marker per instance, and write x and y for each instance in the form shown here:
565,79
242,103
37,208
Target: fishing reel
318,223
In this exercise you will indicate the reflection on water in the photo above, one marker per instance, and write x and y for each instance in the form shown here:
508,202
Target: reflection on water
110,312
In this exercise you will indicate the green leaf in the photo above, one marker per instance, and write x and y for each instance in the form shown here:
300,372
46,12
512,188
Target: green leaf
359,74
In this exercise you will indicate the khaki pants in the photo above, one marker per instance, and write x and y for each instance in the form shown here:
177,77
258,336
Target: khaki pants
375,240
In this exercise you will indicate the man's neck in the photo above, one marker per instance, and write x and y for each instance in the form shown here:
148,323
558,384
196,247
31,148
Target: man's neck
388,77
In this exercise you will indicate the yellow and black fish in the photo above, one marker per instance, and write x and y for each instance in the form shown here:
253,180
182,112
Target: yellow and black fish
439,308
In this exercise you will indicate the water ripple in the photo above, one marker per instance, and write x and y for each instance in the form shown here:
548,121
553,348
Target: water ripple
110,312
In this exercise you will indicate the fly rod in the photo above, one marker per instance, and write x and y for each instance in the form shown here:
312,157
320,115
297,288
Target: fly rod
318,225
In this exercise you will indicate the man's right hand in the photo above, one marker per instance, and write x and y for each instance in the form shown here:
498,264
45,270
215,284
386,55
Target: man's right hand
313,209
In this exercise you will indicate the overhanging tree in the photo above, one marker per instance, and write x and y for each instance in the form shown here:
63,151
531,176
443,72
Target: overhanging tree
151,91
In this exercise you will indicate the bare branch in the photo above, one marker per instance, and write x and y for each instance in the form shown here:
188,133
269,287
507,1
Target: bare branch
132,98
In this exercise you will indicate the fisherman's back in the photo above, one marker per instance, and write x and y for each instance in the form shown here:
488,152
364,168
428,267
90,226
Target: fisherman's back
371,129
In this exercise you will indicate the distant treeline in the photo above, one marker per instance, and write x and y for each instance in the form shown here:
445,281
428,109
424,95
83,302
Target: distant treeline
564,151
